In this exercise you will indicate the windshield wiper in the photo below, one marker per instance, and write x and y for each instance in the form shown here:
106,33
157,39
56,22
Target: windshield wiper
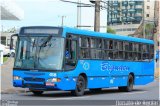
43,45
46,41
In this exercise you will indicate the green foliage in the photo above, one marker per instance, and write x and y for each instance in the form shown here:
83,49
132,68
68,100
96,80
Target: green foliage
149,29
11,30
5,59
110,30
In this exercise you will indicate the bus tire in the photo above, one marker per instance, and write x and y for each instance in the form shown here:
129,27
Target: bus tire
37,93
80,86
129,86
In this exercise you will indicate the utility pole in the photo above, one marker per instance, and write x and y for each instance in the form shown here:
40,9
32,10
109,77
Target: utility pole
2,29
62,19
96,15
79,13
144,25
97,6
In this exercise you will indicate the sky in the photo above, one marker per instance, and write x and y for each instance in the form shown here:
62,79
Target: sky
49,13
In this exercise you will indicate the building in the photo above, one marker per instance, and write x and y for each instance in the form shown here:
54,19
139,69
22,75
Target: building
9,11
149,10
157,18
125,16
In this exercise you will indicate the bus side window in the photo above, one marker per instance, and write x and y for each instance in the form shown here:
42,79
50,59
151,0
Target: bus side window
139,52
120,50
135,51
70,53
151,52
105,44
145,52
130,51
73,50
115,52
84,43
93,43
110,44
116,45
110,54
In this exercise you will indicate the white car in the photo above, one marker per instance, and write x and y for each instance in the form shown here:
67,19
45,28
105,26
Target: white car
6,50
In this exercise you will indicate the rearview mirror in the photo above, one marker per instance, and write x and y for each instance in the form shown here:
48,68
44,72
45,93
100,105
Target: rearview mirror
11,41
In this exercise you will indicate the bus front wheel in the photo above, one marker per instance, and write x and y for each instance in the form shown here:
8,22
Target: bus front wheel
37,92
80,86
129,86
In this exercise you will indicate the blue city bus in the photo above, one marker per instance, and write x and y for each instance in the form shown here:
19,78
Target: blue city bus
61,58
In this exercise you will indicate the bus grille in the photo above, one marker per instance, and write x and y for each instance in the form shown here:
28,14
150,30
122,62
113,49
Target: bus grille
34,85
34,79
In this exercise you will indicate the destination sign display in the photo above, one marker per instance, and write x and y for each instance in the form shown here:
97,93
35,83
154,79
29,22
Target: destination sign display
41,30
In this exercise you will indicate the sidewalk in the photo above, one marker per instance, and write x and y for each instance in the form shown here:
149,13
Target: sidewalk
157,70
6,78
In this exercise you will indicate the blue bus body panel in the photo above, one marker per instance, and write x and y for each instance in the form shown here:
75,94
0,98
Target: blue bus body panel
100,74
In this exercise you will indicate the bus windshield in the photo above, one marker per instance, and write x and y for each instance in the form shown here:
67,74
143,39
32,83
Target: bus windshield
44,53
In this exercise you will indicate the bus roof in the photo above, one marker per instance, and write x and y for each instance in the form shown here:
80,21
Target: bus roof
65,30
105,35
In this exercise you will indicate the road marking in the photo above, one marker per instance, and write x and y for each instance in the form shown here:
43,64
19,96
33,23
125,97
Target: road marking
134,92
68,98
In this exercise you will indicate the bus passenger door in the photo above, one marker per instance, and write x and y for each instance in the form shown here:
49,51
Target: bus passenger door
70,53
70,62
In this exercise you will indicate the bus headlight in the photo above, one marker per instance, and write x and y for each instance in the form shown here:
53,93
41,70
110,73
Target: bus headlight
54,80
17,78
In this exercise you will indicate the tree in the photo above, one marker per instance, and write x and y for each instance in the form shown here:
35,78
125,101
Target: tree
149,30
110,30
11,30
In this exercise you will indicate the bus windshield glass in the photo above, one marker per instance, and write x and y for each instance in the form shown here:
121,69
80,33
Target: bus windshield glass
44,53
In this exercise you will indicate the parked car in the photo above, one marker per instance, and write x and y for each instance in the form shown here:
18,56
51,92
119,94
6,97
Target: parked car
7,51
12,52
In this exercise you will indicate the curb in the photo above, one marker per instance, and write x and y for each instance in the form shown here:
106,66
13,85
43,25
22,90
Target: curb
14,91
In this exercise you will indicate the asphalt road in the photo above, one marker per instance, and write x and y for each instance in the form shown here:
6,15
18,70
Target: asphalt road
106,96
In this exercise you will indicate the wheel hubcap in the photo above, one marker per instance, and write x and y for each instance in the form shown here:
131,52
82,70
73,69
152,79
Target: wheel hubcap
80,85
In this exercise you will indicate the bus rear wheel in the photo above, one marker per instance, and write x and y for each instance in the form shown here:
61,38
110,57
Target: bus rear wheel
80,86
37,93
129,86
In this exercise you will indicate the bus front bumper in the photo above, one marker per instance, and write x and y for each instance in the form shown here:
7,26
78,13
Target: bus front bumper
35,85
42,80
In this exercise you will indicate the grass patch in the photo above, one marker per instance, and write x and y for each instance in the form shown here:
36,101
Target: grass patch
5,59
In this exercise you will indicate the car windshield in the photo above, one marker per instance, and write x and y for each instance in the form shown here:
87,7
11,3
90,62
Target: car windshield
45,53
